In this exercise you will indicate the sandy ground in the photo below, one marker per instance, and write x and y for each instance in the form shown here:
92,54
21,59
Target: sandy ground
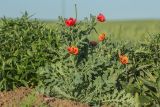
14,99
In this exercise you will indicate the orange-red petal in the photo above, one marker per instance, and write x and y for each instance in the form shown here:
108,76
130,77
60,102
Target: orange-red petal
123,59
101,37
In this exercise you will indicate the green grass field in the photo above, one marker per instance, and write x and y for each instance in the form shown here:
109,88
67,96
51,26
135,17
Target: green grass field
125,30
132,30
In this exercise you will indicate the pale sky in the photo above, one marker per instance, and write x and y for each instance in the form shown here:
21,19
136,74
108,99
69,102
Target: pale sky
112,9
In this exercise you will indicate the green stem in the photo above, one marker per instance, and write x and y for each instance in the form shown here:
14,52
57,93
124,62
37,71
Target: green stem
96,31
73,62
126,70
76,10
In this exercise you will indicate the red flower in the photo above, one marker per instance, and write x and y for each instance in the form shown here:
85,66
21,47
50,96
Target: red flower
101,37
73,50
70,49
93,43
123,59
70,22
101,17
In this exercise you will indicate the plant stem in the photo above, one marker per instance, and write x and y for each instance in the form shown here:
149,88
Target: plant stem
76,10
96,31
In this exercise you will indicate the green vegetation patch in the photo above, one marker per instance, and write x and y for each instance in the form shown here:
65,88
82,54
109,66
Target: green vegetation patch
66,63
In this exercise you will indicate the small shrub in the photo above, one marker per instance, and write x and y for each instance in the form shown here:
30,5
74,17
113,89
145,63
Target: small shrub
142,76
89,76
25,45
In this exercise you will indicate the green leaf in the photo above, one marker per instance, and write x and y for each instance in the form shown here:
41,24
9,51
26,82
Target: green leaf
145,100
158,85
29,53
64,94
151,84
137,100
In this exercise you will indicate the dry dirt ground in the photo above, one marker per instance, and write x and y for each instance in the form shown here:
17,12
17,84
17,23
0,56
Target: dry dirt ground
16,97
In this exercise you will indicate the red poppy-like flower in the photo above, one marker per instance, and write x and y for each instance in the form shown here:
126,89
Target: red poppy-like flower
70,49
123,59
70,22
101,37
93,43
73,50
101,17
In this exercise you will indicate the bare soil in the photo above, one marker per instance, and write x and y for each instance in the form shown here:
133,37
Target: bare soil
15,97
